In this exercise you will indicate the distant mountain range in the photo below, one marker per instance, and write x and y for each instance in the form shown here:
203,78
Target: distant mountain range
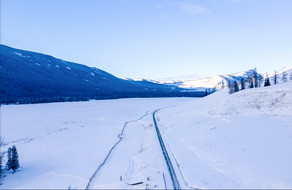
221,81
29,77
218,81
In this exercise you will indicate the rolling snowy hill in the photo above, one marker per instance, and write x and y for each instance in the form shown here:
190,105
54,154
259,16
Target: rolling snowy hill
34,77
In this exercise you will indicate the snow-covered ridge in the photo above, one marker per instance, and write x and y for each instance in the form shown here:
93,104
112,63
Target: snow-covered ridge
221,81
273,101
287,72
218,81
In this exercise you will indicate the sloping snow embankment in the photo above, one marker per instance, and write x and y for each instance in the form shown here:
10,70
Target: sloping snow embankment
241,140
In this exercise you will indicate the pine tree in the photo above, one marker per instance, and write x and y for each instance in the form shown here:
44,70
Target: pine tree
275,77
242,82
9,159
223,83
1,169
214,89
251,84
231,87
255,78
267,82
14,160
236,88
284,77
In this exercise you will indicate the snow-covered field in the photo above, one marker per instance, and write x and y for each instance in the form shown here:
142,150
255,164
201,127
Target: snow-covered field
224,141
62,144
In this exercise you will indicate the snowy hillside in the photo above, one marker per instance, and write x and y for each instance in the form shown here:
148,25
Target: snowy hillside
241,140
31,77
287,73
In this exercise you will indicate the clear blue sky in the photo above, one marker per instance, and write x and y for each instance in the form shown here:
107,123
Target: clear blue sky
154,38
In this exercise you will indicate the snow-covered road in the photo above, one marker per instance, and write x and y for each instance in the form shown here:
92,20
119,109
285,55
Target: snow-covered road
173,176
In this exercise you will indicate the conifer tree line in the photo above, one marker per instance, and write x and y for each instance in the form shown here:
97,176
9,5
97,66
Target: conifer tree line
12,161
209,91
275,78
256,80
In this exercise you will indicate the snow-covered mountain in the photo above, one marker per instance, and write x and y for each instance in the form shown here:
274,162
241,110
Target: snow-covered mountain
218,81
34,77
221,81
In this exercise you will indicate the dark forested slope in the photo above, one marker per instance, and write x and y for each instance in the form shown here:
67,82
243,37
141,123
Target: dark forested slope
29,77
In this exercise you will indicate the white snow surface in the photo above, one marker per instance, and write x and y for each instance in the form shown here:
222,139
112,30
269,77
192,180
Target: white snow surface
210,82
222,141
62,144
226,141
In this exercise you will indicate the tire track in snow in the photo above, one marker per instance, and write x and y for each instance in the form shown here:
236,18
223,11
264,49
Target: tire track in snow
175,182
171,170
120,136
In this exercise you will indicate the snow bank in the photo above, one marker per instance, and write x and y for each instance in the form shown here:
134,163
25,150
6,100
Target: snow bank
226,141
273,101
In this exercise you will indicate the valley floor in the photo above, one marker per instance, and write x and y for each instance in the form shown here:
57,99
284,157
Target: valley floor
62,144
224,141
